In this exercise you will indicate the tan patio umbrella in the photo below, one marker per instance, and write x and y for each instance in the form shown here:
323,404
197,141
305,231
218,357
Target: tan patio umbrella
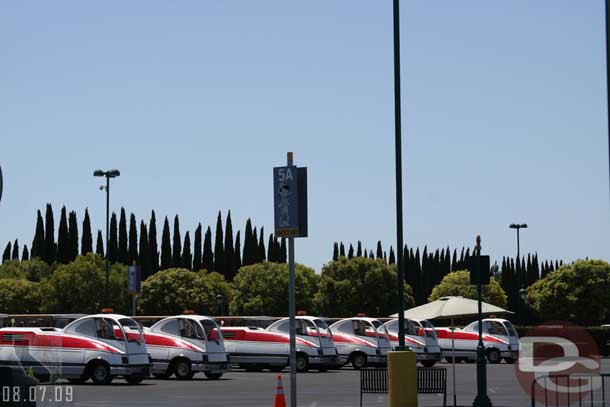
450,308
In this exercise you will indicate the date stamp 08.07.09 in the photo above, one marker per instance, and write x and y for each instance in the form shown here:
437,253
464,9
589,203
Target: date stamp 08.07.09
48,395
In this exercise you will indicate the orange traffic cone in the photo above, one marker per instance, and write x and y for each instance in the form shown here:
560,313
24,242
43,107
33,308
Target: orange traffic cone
280,400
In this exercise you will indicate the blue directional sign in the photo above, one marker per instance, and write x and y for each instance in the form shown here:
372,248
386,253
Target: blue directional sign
134,277
286,201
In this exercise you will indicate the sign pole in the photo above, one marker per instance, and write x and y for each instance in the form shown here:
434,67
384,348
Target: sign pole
291,314
133,304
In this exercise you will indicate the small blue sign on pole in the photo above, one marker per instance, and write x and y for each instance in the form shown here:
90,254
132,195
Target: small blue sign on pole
290,201
134,277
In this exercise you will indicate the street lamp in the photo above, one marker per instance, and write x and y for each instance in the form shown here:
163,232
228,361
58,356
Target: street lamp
107,174
518,226
220,301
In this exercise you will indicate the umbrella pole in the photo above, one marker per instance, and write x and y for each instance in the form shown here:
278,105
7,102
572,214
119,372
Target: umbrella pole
453,360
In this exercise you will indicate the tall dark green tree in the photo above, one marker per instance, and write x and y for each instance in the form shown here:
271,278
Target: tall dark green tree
229,250
359,249
15,254
132,250
271,249
86,243
392,259
153,247
113,248
63,239
261,246
197,249
99,244
144,252
379,250
50,251
6,255
166,247
38,244
187,258
177,247
341,250
73,234
124,256
350,252
237,260
207,259
283,251
248,256
254,245
25,256
219,255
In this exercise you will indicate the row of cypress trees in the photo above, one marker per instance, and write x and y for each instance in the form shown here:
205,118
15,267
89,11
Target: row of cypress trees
426,269
226,255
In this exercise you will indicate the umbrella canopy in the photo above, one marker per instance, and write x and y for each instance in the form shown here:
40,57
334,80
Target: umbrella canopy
451,307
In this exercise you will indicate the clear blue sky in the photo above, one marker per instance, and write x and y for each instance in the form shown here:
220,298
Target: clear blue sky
504,113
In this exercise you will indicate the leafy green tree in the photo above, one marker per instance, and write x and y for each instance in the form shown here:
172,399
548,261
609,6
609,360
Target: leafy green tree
76,287
63,239
33,270
166,247
350,252
458,284
578,291
262,289
341,250
72,235
335,251
99,244
38,244
86,244
19,296
351,286
207,259
219,255
123,238
174,290
50,250
197,249
132,251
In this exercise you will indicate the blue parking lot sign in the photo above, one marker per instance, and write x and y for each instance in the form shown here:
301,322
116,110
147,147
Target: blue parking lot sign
286,201
133,279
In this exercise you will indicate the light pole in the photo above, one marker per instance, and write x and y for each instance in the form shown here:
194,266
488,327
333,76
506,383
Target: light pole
482,399
398,151
107,174
220,302
518,227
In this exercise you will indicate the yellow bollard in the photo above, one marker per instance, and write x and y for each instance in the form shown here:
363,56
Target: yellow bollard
402,379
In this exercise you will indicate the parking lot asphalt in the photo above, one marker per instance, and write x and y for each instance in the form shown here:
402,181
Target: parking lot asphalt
240,388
